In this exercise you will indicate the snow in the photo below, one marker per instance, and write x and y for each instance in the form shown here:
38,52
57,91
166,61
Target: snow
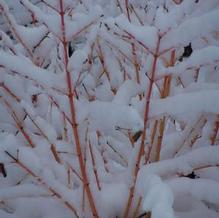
23,66
202,57
184,33
47,128
52,21
197,189
158,197
144,34
184,164
109,197
81,21
28,108
184,103
29,158
21,15
111,115
25,190
126,91
32,35
190,207
76,60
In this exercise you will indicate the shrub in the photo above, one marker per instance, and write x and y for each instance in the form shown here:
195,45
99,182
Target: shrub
109,108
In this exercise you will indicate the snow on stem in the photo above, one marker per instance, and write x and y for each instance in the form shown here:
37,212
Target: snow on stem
42,182
183,165
19,124
14,27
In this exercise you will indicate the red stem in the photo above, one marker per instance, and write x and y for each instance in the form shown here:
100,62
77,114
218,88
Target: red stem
127,9
94,167
73,117
146,114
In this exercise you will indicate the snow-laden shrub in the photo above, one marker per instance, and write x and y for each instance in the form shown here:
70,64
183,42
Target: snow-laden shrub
109,108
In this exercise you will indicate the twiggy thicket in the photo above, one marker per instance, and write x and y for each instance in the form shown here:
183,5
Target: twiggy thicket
104,103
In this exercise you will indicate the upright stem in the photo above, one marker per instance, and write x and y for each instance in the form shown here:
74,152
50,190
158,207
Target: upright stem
164,94
146,114
127,9
136,63
215,131
73,117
